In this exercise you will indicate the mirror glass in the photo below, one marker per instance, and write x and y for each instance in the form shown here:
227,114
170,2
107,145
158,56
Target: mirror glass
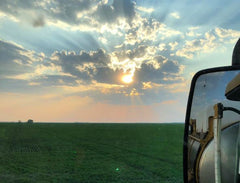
210,89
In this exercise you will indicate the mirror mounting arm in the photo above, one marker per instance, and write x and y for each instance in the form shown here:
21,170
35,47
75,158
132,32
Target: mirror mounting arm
218,111
231,109
218,114
219,108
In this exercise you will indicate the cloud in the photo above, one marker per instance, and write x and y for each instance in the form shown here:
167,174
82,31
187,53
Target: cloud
146,10
193,32
103,40
133,92
210,41
23,70
65,11
173,45
85,65
150,85
100,66
102,88
39,22
96,74
88,13
227,33
141,62
178,87
106,13
121,18
175,15
159,70
14,59
148,29
117,22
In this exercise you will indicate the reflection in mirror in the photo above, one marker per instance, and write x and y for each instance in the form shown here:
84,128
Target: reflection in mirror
213,136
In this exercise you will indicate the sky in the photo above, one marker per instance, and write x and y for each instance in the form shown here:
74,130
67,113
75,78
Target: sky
109,60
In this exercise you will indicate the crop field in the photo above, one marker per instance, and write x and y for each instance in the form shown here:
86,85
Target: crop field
90,153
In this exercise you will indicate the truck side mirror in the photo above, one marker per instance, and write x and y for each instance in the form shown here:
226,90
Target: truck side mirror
212,127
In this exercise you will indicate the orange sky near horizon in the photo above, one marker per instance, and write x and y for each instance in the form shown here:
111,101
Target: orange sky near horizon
84,109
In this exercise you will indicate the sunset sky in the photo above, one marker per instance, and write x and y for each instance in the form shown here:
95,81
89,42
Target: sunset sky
109,60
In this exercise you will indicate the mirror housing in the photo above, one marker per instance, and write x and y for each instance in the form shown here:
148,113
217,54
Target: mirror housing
202,142
233,89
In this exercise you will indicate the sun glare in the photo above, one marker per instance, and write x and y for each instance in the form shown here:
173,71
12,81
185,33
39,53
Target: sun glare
127,78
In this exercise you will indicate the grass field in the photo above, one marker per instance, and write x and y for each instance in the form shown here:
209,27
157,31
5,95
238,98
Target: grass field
48,152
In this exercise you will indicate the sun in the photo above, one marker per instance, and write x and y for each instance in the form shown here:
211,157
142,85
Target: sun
127,78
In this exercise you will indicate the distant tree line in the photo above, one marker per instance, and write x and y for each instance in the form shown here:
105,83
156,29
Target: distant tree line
28,121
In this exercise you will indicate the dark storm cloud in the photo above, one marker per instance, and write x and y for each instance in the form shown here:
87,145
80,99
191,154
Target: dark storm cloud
85,65
168,69
13,59
137,52
22,70
39,22
99,57
95,65
171,67
88,66
108,75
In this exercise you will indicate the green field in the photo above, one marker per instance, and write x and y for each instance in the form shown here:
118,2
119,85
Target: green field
48,152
